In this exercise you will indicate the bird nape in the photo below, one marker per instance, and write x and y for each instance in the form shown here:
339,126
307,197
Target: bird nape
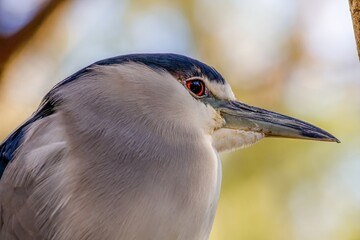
127,148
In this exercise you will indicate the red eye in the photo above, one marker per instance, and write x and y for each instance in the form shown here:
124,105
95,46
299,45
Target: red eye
196,86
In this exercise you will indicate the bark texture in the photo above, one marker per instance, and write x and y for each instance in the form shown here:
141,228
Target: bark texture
355,14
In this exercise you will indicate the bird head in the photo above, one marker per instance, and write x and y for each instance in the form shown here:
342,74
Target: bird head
232,123
174,88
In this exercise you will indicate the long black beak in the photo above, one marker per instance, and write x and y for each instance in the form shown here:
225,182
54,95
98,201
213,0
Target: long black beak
240,116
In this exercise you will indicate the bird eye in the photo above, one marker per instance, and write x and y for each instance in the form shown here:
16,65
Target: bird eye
196,86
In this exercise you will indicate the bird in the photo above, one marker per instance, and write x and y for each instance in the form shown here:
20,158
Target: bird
128,148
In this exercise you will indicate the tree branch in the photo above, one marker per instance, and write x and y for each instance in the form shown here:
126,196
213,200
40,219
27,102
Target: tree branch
9,45
355,14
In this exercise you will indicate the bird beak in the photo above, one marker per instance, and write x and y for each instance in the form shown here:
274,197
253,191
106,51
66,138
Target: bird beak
240,116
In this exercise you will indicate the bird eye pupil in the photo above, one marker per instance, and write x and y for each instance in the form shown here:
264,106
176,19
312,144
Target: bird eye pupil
196,86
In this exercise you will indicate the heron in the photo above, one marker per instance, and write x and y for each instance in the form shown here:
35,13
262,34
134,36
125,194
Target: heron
128,148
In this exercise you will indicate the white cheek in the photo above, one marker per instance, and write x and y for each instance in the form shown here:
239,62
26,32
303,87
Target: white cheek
220,90
229,139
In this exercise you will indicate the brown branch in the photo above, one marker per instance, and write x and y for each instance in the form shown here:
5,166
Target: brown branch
355,14
10,44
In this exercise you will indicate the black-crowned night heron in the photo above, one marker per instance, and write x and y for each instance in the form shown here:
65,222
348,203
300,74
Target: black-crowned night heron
127,148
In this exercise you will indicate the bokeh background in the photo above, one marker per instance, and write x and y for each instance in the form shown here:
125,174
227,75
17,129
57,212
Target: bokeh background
296,57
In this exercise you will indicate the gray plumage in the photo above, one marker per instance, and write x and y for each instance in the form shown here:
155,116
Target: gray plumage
124,150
